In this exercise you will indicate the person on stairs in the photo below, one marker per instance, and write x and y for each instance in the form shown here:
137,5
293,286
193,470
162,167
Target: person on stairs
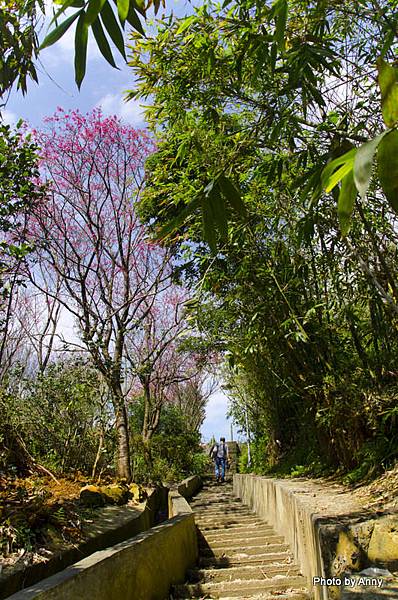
219,454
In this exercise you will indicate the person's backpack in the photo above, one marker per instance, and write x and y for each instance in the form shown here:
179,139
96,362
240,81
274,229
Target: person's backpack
219,450
214,451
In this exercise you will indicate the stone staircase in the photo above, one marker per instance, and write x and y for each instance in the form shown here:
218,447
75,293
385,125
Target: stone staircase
240,555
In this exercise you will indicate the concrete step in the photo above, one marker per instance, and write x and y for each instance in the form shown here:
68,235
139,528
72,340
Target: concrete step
235,528
241,572
253,559
232,520
241,543
244,551
290,595
242,533
239,588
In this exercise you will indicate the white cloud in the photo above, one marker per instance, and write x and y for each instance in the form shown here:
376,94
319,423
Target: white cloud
9,117
131,111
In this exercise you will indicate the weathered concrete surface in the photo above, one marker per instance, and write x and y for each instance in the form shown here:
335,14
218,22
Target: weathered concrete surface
240,555
328,530
112,525
178,505
142,568
280,503
189,486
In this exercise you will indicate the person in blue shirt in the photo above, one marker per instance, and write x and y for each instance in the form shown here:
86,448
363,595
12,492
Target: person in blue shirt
219,454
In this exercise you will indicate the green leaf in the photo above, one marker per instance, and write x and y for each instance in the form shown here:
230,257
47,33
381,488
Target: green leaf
219,212
59,31
208,223
134,21
388,83
178,220
123,9
387,164
81,39
332,166
112,27
346,202
363,164
232,195
93,10
102,42
339,175
139,5
280,11
185,23
64,5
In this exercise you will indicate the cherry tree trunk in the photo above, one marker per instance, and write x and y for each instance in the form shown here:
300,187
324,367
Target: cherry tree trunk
123,466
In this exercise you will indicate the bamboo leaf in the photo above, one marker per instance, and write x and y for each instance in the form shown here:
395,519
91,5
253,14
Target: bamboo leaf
59,31
178,220
123,9
280,22
81,39
219,212
113,28
339,175
346,202
134,21
332,166
93,10
387,163
363,164
232,195
102,42
208,223
388,83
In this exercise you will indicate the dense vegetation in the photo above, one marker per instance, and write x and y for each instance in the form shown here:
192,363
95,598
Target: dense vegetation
263,112
273,189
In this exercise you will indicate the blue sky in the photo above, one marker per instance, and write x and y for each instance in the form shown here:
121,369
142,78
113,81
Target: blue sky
103,86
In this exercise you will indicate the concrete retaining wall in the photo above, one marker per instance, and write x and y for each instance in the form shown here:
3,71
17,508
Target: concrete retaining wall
288,512
141,568
189,486
113,525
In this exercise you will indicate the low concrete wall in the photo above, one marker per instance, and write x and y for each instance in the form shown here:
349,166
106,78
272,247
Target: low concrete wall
330,532
113,525
289,514
142,568
189,486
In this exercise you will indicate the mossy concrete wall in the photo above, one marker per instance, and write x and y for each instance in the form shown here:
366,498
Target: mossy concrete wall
290,515
112,525
189,486
142,568
329,532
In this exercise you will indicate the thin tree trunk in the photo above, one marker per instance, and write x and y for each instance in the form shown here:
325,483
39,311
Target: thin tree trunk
123,467
99,452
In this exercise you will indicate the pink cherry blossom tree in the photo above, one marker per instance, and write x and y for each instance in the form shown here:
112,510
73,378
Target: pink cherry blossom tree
156,360
94,257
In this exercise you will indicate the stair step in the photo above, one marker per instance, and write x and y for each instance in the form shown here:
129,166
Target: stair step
290,595
238,588
243,551
237,527
258,559
241,543
227,536
241,572
233,520
240,555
